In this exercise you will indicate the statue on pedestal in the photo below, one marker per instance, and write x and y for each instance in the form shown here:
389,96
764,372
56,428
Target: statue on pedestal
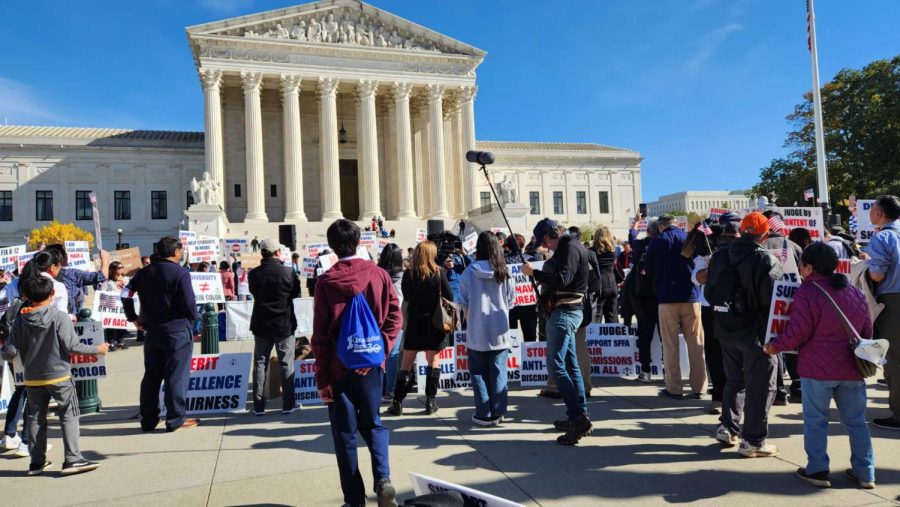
205,191
506,189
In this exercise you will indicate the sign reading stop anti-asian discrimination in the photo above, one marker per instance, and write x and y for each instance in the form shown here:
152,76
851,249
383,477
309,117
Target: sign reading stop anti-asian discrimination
864,227
109,312
218,384
208,287
533,365
203,249
305,390
79,255
780,309
525,295
84,366
811,219
9,257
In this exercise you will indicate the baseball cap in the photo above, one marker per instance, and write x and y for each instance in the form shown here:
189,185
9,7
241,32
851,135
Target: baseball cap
755,223
542,228
729,216
270,245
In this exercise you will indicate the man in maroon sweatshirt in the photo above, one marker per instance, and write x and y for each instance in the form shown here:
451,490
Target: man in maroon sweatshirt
354,397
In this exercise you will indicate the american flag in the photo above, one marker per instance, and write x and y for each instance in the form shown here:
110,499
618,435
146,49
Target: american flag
853,225
784,251
109,300
92,197
704,228
808,194
776,224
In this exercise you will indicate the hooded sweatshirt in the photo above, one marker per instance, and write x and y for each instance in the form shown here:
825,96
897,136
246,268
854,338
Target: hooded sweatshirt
487,305
44,337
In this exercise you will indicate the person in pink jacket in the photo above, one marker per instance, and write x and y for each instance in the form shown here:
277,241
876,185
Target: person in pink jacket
826,365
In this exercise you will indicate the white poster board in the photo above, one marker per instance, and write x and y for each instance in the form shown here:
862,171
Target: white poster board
218,384
809,218
84,366
203,249
864,227
533,364
785,257
208,287
237,320
780,309
303,311
109,312
308,267
79,255
424,485
6,386
525,295
469,243
9,257
305,390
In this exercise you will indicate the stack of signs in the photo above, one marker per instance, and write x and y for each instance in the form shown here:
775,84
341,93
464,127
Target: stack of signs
9,257
864,228
218,384
525,295
84,366
681,222
808,218
236,247
203,249
109,312
715,213
305,390
368,239
208,288
421,235
313,249
533,366
308,267
79,255
469,243
780,309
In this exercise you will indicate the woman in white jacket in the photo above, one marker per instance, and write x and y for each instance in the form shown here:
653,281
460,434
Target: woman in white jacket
486,293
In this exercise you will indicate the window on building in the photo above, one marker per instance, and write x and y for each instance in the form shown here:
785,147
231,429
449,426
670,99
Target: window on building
237,189
189,200
485,199
558,203
273,190
534,198
83,209
581,203
603,201
43,203
159,205
122,202
6,206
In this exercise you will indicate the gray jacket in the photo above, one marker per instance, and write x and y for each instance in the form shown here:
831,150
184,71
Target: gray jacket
487,305
44,337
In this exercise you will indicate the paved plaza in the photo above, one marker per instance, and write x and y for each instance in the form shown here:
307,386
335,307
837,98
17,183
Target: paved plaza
644,450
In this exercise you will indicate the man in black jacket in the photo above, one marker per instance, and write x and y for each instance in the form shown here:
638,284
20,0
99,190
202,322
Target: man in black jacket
273,287
565,277
748,273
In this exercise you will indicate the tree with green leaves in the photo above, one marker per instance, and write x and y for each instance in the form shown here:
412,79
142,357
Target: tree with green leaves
861,110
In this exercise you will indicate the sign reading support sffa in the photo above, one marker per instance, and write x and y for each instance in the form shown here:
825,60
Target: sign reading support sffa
613,350
218,384
208,287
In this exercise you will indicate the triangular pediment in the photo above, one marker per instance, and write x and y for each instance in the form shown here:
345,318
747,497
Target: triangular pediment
347,23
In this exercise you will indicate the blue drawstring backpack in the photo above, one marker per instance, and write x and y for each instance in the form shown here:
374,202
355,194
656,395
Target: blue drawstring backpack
360,344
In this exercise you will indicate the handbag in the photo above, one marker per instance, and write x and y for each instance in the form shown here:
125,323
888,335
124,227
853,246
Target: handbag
446,313
865,368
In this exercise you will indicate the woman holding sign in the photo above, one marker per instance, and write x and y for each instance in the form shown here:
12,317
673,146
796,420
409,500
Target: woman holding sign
486,293
115,282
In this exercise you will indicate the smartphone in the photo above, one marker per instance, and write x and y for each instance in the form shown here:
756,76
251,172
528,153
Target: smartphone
643,210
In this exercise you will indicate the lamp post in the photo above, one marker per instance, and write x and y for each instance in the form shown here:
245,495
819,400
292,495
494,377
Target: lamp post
119,244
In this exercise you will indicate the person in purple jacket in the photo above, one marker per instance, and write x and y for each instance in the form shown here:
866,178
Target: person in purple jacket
826,365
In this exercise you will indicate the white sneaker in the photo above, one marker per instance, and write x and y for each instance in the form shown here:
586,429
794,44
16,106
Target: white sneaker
22,451
291,410
725,436
10,443
766,450
645,377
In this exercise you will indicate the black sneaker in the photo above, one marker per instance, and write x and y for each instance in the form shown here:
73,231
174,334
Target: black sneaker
696,396
888,423
79,467
882,381
669,394
386,494
581,427
563,425
818,479
38,468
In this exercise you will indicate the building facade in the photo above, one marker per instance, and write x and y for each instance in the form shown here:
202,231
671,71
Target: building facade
700,201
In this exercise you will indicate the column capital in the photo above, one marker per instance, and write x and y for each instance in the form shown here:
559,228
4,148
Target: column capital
467,93
401,90
450,103
418,103
251,81
211,78
366,88
290,83
434,92
327,86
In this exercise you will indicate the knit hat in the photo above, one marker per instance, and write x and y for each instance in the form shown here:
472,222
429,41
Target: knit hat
755,223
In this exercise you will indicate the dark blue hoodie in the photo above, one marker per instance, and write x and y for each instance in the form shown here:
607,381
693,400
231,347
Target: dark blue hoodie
670,270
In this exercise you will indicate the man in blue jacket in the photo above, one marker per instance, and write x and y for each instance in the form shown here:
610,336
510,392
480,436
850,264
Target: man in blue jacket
679,308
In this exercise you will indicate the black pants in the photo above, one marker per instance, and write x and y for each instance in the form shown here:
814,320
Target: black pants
713,351
749,389
790,364
606,307
527,318
167,357
646,328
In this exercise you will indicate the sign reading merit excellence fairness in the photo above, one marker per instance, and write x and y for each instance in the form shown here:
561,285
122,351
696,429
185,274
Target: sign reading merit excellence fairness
218,383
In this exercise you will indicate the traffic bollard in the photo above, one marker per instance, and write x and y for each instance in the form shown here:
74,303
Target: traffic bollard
209,330
88,395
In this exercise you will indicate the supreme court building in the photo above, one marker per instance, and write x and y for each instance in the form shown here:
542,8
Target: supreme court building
313,112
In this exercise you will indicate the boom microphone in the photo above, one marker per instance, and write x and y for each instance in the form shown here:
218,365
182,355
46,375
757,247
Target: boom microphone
480,157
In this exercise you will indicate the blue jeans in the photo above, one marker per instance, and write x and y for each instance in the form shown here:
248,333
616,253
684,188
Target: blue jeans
15,411
562,363
357,400
167,357
392,365
850,398
488,370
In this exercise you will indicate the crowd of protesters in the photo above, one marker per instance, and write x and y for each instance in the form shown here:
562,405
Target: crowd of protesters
711,286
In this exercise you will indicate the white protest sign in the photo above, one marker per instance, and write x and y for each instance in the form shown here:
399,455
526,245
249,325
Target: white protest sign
421,235
525,295
864,227
383,242
9,257
780,309
6,386
844,266
303,312
208,288
203,249
613,350
305,390
313,249
469,242
308,267
185,236
715,213
109,312
368,239
447,365
424,485
79,255
88,366
533,364
641,225
23,259
681,222
363,253
785,257
808,218
218,384
327,261
236,246
237,320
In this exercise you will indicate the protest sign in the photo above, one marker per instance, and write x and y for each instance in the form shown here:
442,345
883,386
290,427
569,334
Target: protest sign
525,295
367,239
641,225
218,383
533,364
129,257
864,227
424,485
79,255
383,242
808,218
681,222
9,257
327,261
715,213
447,365
204,249
237,320
495,230
469,242
185,236
23,259
305,390
251,260
109,312
303,312
785,257
421,235
313,249
236,246
844,266
308,267
6,386
84,366
613,350
208,288
780,309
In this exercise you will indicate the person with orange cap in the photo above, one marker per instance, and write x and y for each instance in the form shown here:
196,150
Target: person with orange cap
739,288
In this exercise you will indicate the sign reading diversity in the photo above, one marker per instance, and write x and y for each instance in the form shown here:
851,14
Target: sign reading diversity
208,288
780,309
218,383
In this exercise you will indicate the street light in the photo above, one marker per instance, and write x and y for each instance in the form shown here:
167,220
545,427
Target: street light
119,245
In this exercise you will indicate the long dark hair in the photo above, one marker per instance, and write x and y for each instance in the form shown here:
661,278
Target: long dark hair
824,261
487,248
391,258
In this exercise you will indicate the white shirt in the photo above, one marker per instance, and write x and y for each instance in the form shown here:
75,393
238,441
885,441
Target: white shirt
60,295
700,263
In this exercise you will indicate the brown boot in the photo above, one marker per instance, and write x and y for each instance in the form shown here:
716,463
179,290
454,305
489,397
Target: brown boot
581,427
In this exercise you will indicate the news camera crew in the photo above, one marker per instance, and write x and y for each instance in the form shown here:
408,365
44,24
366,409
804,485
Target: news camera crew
168,310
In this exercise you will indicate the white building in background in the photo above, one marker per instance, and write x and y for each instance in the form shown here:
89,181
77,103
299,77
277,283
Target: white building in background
313,112
700,201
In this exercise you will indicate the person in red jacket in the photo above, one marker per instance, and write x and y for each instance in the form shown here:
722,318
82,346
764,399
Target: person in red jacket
826,364
354,397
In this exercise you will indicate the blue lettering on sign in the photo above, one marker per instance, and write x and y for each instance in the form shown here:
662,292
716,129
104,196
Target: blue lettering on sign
3,404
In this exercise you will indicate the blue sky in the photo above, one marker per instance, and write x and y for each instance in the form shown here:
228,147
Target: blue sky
699,87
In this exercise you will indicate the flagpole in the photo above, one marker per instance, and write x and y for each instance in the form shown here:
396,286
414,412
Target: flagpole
821,168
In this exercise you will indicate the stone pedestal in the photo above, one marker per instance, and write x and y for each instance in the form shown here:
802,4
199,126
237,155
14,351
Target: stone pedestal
208,220
489,216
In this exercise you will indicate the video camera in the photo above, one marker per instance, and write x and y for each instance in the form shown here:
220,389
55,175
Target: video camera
447,243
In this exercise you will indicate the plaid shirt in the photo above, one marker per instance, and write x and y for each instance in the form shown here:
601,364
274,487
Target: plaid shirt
75,280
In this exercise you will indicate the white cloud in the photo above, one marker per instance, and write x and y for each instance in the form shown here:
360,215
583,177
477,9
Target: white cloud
19,104
709,44
226,6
